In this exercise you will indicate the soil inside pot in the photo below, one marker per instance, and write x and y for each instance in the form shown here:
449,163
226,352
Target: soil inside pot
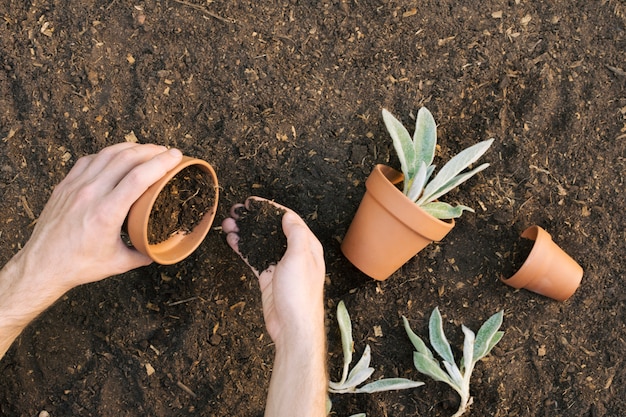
261,238
181,204
519,254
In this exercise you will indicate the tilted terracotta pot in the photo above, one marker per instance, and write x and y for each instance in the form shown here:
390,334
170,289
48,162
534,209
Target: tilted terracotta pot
180,245
388,228
548,270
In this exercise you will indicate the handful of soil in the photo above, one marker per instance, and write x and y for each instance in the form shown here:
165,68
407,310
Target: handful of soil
181,205
261,238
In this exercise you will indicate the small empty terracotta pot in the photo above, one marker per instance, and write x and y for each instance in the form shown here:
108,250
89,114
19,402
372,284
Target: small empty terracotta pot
548,270
179,245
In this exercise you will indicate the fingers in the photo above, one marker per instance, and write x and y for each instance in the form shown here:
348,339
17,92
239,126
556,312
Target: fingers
233,241
115,161
300,239
133,259
247,203
123,162
137,180
229,225
79,167
234,211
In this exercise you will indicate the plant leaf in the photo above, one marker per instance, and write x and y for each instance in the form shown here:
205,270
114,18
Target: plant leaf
454,182
361,370
403,145
455,373
494,341
438,338
345,328
450,170
468,351
429,366
425,137
389,384
419,344
486,334
355,379
442,210
417,186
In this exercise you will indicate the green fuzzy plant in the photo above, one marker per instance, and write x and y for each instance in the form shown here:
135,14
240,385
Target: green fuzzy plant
416,156
350,379
475,347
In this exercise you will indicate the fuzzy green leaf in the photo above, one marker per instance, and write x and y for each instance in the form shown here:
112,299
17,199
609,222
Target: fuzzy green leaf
425,137
468,350
454,182
417,185
450,170
361,370
345,328
388,384
438,338
455,374
403,145
442,210
429,366
418,343
494,341
486,334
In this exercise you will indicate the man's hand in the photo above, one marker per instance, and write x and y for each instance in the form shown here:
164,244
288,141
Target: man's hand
77,236
293,306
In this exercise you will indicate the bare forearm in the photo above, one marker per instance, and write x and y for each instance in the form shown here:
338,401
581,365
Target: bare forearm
299,380
21,299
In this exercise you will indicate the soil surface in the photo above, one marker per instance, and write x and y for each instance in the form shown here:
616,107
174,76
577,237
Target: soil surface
284,99
181,204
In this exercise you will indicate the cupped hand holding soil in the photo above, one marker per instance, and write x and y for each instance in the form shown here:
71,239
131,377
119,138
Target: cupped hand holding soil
259,237
292,290
287,259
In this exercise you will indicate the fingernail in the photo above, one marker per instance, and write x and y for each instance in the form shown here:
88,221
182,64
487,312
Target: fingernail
290,217
175,153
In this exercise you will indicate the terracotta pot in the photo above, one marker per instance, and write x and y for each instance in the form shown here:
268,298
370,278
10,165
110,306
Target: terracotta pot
180,245
388,228
548,270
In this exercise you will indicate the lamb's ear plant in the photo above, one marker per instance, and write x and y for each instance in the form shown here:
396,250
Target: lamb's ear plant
416,156
350,379
475,347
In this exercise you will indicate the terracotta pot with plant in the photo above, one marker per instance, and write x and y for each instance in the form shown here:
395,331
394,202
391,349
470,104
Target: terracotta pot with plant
392,224
170,220
547,270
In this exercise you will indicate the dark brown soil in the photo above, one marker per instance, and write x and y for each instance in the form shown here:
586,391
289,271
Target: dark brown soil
284,99
513,260
261,238
181,205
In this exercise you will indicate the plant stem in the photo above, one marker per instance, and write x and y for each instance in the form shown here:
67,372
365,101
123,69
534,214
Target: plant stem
466,402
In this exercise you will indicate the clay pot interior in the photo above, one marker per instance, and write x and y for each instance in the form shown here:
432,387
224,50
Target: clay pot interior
548,270
181,244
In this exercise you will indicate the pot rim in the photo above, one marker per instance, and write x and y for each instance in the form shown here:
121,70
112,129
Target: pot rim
535,261
178,246
381,185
